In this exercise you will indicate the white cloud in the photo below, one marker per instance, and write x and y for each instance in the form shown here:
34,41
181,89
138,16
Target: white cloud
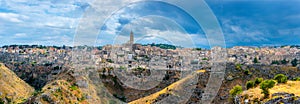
20,35
41,6
43,13
59,22
236,33
174,37
94,16
236,29
151,29
12,17
291,31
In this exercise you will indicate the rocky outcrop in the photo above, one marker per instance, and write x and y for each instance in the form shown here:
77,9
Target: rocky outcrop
12,88
36,75
61,91
284,98
233,77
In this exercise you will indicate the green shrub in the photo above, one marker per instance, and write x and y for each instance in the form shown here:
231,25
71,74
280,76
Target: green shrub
1,101
249,84
205,58
294,62
73,87
83,97
238,66
266,93
280,78
198,49
256,100
247,72
284,61
236,90
35,93
257,81
24,100
297,79
122,67
59,90
255,60
275,62
109,60
266,85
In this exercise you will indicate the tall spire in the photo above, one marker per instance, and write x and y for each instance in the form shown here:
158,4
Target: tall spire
131,37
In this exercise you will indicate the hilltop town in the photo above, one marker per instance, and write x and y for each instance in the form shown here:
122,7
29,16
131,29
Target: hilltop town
40,65
139,55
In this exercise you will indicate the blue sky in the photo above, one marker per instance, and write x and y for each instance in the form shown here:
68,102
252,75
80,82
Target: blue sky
244,22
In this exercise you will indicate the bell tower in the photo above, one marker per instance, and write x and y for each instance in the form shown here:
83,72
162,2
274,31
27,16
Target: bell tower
131,41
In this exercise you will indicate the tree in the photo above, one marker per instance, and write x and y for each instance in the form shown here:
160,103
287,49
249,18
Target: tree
204,58
266,85
294,62
257,81
236,90
275,62
284,61
198,49
280,78
255,60
249,84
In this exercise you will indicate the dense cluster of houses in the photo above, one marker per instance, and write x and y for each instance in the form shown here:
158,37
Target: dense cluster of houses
137,55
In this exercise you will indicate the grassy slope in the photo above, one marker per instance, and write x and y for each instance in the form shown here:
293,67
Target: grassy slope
289,87
168,90
12,87
62,91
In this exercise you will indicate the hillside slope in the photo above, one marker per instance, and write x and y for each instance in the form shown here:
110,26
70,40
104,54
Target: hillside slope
61,91
170,90
13,89
287,91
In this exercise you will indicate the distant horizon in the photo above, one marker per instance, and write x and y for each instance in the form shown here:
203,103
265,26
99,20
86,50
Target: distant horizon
243,22
297,45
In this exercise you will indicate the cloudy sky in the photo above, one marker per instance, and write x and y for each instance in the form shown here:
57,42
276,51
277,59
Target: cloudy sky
55,22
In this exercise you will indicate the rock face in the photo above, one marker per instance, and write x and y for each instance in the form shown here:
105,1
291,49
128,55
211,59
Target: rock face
238,77
127,94
35,75
284,98
60,92
12,88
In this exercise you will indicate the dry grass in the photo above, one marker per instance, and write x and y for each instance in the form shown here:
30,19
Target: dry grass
287,68
289,87
253,93
12,87
64,92
201,71
92,91
168,90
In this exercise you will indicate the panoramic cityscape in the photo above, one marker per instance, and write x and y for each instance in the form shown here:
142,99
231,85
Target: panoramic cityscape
149,52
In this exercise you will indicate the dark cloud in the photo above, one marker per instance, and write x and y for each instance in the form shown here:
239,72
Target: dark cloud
266,17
